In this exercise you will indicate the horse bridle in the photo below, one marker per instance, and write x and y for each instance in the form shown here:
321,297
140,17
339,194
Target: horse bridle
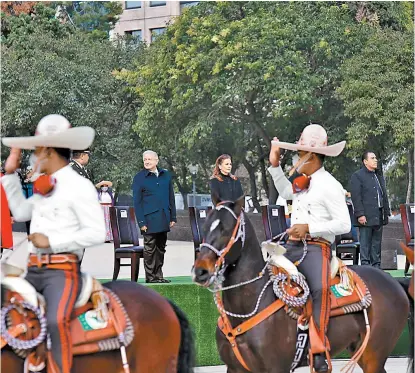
237,234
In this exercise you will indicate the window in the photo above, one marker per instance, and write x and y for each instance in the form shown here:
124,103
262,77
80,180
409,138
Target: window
136,34
157,3
132,4
156,32
187,4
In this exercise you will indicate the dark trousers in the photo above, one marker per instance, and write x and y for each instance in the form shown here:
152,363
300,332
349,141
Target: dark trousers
316,268
154,250
370,245
61,289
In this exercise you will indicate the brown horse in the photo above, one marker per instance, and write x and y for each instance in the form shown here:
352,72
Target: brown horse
163,340
270,346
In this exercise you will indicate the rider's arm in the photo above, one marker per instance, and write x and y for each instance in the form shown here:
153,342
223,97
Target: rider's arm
90,218
20,207
282,184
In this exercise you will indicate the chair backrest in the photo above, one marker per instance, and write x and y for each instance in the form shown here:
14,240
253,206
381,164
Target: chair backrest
198,217
407,215
124,200
352,235
273,219
124,226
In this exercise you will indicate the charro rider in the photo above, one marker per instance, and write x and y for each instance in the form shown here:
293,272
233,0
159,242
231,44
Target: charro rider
319,213
66,217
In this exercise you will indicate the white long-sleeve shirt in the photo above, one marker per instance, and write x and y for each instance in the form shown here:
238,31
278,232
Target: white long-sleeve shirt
71,217
322,206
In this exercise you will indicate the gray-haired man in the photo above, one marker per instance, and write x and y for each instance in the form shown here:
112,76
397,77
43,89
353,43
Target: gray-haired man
155,212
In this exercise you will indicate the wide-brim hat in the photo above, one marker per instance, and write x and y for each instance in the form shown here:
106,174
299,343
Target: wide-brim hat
314,139
104,182
54,131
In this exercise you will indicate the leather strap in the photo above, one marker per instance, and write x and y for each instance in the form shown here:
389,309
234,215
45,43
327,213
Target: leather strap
311,240
14,331
46,259
231,333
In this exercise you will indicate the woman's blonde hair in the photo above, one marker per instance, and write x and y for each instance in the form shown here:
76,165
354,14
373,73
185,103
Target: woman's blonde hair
216,171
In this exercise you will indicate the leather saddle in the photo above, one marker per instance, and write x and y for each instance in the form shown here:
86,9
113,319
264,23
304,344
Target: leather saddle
98,314
349,293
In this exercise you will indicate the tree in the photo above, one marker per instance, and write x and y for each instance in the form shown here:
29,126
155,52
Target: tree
377,91
245,69
73,74
96,17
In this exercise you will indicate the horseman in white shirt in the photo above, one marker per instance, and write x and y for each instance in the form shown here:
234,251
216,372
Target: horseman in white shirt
319,213
66,217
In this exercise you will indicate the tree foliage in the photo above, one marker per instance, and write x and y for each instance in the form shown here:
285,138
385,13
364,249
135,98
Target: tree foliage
377,91
244,71
68,72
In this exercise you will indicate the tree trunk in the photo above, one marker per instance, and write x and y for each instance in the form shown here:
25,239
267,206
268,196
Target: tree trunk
410,175
252,181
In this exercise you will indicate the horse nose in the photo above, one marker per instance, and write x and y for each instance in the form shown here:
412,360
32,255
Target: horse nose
201,274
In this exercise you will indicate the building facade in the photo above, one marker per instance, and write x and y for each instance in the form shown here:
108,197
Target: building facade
145,20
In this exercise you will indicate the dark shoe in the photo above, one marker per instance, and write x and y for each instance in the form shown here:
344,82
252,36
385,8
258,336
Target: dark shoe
164,280
320,364
154,281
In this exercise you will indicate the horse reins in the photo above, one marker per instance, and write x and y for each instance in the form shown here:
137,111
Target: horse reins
223,323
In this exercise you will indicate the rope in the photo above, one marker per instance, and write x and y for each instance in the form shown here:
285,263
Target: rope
16,342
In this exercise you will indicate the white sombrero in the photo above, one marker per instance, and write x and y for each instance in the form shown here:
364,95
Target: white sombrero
54,131
314,139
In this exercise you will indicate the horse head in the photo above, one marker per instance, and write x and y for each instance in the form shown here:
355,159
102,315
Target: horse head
224,235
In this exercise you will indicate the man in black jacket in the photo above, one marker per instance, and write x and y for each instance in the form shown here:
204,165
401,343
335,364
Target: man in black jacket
371,208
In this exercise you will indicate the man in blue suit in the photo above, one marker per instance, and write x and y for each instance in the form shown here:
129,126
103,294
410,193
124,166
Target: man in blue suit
155,211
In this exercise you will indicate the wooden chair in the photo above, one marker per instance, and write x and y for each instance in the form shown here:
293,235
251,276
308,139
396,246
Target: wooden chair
407,215
197,216
126,240
348,243
273,219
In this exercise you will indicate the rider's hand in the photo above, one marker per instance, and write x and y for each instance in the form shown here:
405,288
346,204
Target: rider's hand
144,228
13,161
172,223
298,230
362,220
39,240
274,154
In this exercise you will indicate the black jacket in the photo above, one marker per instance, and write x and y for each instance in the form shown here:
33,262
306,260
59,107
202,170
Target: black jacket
80,170
230,189
154,202
365,198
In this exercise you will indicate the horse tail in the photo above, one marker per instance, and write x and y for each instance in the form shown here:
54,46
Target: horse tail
405,284
187,349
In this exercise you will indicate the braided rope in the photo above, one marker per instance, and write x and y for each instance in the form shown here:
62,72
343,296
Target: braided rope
19,343
293,301
125,338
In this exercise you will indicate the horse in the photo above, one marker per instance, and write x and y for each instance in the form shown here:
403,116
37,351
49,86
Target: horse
270,346
163,340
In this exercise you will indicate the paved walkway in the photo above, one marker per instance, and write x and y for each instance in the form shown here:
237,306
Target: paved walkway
393,365
99,260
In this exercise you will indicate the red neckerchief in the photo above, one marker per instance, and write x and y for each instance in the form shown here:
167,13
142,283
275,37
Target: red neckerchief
44,185
301,183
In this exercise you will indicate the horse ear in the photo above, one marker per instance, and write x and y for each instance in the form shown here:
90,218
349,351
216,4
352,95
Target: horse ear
239,205
215,199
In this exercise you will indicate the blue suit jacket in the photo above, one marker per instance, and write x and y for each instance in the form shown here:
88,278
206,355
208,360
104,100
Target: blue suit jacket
154,203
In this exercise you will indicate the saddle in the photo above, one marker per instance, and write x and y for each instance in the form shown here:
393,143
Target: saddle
97,322
348,294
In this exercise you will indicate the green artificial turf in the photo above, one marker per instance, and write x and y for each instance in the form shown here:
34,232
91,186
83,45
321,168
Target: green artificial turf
198,305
